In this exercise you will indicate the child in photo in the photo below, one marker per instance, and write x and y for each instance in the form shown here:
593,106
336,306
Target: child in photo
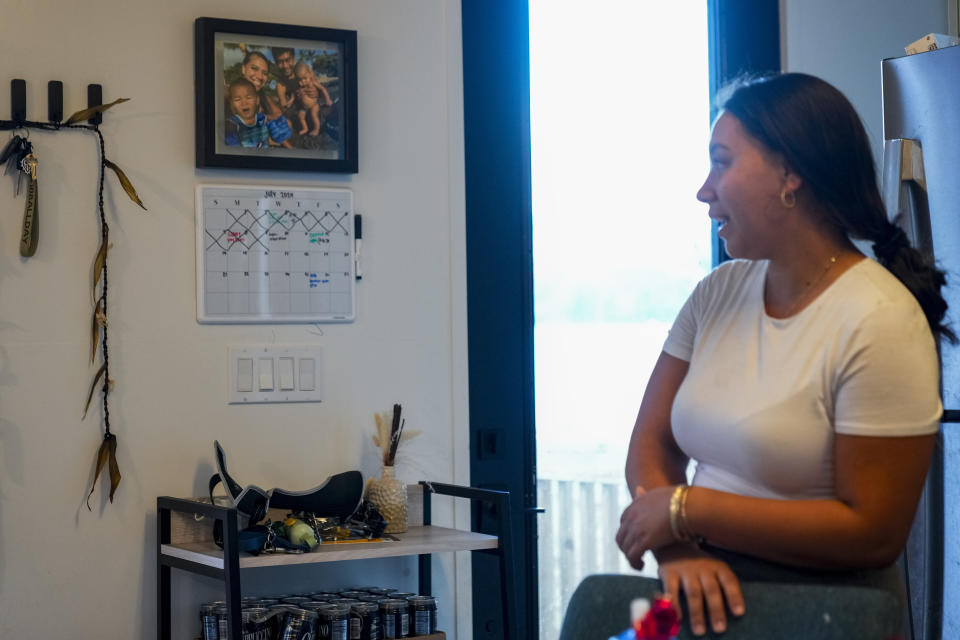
310,95
247,126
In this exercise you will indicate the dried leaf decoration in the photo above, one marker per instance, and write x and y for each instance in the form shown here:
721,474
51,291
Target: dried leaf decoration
106,455
99,320
125,182
86,114
98,263
93,388
114,467
390,433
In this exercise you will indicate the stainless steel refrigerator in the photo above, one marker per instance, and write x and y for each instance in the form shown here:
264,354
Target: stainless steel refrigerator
921,186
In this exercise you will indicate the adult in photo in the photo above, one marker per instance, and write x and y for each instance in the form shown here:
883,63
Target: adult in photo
256,69
287,83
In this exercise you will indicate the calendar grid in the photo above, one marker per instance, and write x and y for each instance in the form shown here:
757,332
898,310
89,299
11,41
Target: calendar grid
274,254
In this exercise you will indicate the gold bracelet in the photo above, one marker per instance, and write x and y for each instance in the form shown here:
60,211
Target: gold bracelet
684,526
675,505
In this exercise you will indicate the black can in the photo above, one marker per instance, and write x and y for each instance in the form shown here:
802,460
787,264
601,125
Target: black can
266,602
423,613
250,611
373,598
401,595
365,621
247,608
258,623
220,611
395,618
325,596
281,607
209,627
295,600
297,624
347,601
353,593
334,622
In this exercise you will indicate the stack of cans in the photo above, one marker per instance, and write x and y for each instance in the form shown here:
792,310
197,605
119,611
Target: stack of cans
256,623
358,613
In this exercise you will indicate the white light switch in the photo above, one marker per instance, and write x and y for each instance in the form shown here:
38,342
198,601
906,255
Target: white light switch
285,372
274,373
245,374
265,373
306,374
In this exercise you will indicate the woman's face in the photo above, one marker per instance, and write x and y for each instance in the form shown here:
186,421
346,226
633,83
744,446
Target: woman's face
743,191
255,70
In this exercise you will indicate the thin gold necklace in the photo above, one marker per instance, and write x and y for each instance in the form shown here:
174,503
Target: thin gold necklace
810,285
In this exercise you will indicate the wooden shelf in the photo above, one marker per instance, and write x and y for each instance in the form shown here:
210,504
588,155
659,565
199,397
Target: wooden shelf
415,541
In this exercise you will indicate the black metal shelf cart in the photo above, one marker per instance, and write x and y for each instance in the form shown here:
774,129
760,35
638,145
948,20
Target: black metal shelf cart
189,547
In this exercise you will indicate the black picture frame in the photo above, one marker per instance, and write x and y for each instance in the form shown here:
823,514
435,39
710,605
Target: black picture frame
230,56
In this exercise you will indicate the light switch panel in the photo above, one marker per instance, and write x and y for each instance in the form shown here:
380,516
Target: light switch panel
307,372
244,374
285,373
265,373
274,373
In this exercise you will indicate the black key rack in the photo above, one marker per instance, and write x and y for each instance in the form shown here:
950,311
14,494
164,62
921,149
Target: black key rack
18,104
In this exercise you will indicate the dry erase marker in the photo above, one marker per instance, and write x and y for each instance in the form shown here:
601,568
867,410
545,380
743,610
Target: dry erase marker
357,242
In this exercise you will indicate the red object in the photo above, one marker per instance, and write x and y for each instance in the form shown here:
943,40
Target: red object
661,621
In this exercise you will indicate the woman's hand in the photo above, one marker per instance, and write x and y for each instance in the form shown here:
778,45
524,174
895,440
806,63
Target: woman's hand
645,524
702,578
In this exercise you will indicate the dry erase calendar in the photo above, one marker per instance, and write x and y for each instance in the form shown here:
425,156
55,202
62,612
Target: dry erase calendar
274,254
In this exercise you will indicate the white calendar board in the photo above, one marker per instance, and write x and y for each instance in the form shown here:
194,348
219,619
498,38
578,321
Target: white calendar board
274,254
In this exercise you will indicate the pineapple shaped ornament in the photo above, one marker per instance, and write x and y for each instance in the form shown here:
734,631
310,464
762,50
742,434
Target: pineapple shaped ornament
388,493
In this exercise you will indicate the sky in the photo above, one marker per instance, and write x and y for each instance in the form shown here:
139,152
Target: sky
619,134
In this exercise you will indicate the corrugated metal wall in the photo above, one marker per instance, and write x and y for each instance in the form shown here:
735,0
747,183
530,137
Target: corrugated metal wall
576,539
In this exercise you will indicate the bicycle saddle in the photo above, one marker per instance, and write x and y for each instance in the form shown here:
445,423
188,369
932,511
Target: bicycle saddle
336,497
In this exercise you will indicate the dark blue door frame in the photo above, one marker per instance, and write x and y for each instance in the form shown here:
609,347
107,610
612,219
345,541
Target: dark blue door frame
496,98
744,38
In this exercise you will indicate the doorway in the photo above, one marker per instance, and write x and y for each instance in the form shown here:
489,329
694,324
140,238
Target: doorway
622,65
619,128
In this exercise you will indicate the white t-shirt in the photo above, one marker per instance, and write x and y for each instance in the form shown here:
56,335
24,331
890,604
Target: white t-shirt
763,396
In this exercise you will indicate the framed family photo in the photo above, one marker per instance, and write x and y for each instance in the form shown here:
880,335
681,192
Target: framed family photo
275,96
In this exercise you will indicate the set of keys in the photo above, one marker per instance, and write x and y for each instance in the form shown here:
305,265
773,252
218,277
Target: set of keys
19,156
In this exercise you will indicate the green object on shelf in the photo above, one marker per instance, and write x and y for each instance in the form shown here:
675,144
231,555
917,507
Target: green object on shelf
299,532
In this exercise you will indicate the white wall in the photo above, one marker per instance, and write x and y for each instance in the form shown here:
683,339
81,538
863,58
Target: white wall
843,42
66,572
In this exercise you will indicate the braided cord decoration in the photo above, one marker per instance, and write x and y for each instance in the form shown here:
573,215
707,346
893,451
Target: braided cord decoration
107,453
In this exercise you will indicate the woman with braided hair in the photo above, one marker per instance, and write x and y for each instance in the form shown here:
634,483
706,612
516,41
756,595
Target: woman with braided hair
802,376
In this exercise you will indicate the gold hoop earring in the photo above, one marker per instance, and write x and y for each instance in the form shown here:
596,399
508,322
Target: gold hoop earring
788,199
